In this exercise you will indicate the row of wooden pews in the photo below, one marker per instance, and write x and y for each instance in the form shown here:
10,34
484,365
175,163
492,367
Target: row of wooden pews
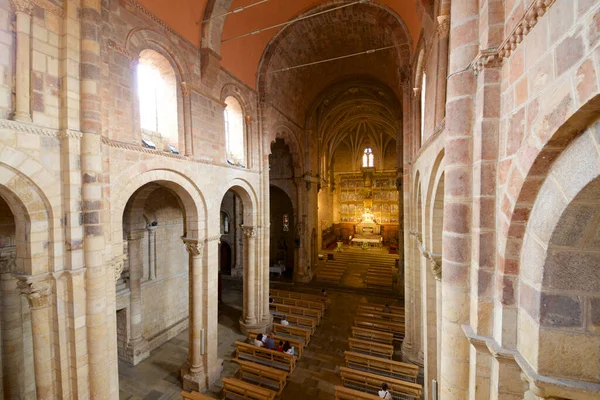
331,271
369,364
379,277
262,372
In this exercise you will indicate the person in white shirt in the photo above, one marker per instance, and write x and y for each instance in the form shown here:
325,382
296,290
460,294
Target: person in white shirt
284,321
258,340
384,393
287,348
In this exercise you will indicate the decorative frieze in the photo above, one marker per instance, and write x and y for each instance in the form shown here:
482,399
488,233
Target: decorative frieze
26,127
530,19
37,292
50,7
213,238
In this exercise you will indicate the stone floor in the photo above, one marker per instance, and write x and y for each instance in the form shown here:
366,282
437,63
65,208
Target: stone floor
315,374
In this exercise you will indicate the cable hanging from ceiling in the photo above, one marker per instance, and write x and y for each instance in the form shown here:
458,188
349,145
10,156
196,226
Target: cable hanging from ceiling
284,24
333,59
235,11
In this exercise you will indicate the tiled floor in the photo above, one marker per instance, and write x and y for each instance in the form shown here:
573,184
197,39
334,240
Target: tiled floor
315,374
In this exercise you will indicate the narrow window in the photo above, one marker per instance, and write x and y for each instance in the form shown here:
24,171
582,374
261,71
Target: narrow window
157,91
368,158
234,131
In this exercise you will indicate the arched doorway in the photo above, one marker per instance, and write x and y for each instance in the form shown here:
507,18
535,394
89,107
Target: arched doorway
282,239
225,257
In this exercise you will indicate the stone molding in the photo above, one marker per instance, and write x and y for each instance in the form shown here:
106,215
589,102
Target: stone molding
213,238
185,90
193,246
22,6
133,147
37,292
529,20
112,45
8,259
489,58
26,127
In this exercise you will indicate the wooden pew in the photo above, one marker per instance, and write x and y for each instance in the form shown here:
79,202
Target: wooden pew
294,310
292,332
371,383
297,343
396,328
195,396
381,315
381,366
379,308
300,296
329,277
372,335
260,355
344,393
314,305
296,320
261,375
371,348
378,283
235,389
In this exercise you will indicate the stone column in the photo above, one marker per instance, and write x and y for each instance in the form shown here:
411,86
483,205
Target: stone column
137,348
456,251
12,328
441,34
152,252
187,116
249,317
192,372
38,296
23,9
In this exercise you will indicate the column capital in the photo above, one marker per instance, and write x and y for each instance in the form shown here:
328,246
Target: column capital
37,292
185,89
193,246
22,6
117,265
8,259
136,235
249,231
442,29
435,263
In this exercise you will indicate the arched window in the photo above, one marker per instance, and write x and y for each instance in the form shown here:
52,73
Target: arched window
423,86
368,158
234,131
157,91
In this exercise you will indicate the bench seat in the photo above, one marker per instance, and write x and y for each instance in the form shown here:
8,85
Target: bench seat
395,328
315,305
294,341
237,389
371,383
260,355
296,320
261,375
195,396
372,335
294,310
293,332
371,348
301,296
344,393
381,366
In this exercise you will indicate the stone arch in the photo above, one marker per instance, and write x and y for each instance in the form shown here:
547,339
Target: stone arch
559,279
247,194
187,192
400,32
33,219
430,202
213,27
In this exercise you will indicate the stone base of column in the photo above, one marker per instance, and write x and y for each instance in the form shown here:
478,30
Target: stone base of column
214,372
22,117
260,326
409,357
304,278
193,380
137,352
237,272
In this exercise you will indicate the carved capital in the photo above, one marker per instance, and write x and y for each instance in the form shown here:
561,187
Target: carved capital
22,6
249,231
193,246
117,265
8,259
435,263
486,59
442,29
37,292
185,90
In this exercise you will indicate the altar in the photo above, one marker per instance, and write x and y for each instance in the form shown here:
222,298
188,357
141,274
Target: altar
367,231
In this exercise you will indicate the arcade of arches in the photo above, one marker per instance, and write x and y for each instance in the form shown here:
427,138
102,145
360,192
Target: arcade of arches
161,168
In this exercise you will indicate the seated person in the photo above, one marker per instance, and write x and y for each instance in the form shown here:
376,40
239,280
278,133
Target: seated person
387,309
284,321
384,393
258,341
287,348
270,342
280,346
271,300
323,293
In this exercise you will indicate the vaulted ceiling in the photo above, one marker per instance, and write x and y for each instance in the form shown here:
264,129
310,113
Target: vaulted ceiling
242,56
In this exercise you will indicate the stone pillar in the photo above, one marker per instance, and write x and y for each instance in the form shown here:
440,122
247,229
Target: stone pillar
135,102
152,252
238,245
193,372
441,33
137,348
214,365
101,364
12,328
249,316
38,296
23,9
187,119
456,249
